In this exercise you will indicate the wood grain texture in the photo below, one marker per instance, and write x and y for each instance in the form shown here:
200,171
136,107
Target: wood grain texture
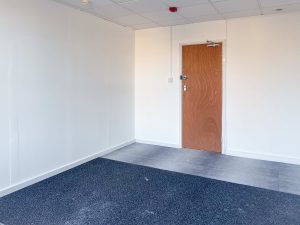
202,101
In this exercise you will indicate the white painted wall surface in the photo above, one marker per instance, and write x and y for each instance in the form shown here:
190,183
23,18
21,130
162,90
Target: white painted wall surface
66,90
4,120
261,93
156,110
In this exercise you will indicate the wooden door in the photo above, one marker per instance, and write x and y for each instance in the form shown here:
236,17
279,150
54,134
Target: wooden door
202,97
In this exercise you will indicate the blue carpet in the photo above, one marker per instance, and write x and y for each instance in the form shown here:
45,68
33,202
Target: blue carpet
113,193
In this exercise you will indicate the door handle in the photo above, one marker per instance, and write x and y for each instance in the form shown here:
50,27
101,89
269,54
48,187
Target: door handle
184,88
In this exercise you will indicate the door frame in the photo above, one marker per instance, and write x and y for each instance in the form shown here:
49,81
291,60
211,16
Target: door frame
223,137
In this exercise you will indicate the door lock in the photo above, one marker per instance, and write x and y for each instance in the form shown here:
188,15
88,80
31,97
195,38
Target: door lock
183,77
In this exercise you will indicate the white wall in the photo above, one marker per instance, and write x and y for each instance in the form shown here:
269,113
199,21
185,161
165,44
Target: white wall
4,121
66,90
263,94
261,77
156,101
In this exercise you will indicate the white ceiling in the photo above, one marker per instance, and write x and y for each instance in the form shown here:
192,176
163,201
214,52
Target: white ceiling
140,14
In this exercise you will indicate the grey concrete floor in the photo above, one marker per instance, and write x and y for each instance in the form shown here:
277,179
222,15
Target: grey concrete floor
264,174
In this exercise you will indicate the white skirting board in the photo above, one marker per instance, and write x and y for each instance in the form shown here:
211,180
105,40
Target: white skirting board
262,156
238,153
61,169
158,143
